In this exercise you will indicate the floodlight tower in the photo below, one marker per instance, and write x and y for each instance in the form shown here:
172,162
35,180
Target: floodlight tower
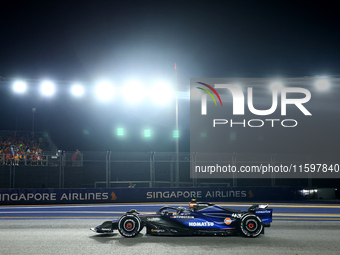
33,112
177,136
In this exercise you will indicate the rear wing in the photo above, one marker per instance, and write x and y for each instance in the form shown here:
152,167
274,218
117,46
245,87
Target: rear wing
263,212
256,206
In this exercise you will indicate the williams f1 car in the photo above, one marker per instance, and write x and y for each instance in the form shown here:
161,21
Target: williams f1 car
199,219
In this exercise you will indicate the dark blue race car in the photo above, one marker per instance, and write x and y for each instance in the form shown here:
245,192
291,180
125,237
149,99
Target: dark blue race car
199,219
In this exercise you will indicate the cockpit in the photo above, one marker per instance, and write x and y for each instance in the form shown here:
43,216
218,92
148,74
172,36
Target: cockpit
193,207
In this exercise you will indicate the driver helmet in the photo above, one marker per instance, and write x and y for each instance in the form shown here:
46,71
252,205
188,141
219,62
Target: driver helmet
193,204
165,212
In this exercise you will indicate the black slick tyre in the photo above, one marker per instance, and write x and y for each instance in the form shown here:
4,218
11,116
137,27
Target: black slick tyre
251,225
129,225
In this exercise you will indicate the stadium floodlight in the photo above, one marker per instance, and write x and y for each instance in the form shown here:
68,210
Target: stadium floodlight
133,91
175,134
77,90
276,86
322,84
47,88
120,131
161,93
104,91
147,133
19,87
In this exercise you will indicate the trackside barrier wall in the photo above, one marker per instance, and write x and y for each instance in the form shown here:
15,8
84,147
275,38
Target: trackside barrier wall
151,169
136,195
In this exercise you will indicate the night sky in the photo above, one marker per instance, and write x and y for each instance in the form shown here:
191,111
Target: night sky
118,40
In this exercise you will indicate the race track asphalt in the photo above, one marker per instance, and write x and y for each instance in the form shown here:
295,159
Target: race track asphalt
74,237
69,235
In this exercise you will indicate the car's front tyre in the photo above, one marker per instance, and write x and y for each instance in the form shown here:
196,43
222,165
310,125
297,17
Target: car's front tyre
129,225
251,225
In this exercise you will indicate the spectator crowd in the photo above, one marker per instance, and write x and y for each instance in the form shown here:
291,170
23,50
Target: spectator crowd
20,151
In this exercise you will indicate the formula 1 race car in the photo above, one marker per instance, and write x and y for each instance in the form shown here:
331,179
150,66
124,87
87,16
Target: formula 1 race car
199,219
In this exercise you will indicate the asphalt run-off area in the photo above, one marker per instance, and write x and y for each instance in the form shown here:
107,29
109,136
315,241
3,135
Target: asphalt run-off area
308,228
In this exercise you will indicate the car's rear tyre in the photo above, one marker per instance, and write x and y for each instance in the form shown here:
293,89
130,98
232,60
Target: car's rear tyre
129,225
251,225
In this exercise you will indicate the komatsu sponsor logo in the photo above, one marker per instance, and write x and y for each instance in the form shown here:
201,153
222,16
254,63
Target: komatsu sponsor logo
201,224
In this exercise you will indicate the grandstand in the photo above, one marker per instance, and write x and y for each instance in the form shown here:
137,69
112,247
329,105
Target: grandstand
24,148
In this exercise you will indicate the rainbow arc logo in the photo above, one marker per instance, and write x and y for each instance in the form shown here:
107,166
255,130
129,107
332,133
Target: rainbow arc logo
209,93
